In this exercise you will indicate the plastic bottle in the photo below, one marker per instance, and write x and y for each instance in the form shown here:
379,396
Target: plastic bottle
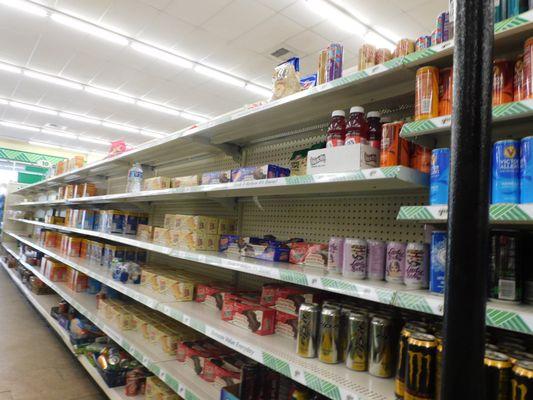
336,129
374,129
357,127
135,178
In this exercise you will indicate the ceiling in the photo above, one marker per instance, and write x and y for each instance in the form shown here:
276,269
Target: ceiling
234,36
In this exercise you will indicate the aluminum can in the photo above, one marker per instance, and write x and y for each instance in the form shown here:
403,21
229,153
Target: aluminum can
445,91
420,158
420,367
380,354
519,86
526,170
522,381
329,335
437,268
394,149
376,260
357,352
505,172
405,334
505,271
354,262
416,265
427,93
344,331
306,338
497,375
335,254
395,262
503,81
439,176
528,67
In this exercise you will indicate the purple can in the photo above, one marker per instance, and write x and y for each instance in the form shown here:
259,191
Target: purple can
395,262
376,260
416,265
334,64
335,254
354,258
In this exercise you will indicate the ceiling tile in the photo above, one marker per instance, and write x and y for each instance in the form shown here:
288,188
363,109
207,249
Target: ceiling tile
330,31
307,42
164,31
426,14
113,76
83,67
91,10
229,57
407,5
195,12
128,16
199,44
17,46
256,66
159,4
299,11
277,4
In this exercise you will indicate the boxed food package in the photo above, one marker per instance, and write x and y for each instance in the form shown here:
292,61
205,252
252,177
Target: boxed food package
173,287
227,226
210,178
131,221
254,317
69,192
156,183
289,299
56,271
161,236
54,219
174,238
317,255
169,221
195,223
76,280
234,296
156,389
112,251
86,219
192,241
212,294
185,181
255,173
224,370
145,233
229,244
286,324
342,159
264,249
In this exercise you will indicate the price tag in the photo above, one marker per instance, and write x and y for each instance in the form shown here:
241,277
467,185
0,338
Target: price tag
181,391
298,375
146,360
162,375
186,320
315,282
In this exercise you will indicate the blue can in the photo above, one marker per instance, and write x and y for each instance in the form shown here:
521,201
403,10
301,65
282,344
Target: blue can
526,170
505,172
437,266
439,176
515,7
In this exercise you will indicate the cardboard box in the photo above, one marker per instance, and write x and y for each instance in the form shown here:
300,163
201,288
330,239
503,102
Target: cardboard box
342,159
286,325
254,317
162,236
185,181
170,221
210,178
156,183
145,233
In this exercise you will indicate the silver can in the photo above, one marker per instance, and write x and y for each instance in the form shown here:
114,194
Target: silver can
380,362
416,265
357,352
306,338
329,335
354,262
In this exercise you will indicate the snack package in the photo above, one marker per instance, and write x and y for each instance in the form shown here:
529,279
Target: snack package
317,255
156,183
254,317
185,181
289,299
145,233
161,236
210,178
286,324
264,249
285,81
229,241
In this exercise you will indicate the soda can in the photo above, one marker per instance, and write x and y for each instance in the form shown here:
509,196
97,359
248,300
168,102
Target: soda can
395,262
344,331
335,254
516,7
528,68
306,338
522,380
526,170
405,334
380,354
445,91
329,335
437,269
394,149
519,85
376,260
420,158
439,34
505,172
439,176
505,271
497,375
420,366
503,81
357,352
416,266
427,93
354,263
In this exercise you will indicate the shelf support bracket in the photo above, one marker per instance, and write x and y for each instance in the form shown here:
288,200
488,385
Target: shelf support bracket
231,150
227,203
258,203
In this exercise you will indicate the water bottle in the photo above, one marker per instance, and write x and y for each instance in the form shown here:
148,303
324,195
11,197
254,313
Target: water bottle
135,178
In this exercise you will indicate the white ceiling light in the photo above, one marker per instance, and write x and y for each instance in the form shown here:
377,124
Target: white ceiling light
193,117
10,68
59,133
109,95
44,144
120,127
29,107
161,54
2,101
340,18
157,107
80,118
90,29
52,79
219,76
19,126
94,140
25,6
258,89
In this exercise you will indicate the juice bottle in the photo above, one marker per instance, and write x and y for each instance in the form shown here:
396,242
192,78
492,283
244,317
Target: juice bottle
357,127
336,129
374,129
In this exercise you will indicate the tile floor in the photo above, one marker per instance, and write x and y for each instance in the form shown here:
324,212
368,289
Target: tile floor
34,362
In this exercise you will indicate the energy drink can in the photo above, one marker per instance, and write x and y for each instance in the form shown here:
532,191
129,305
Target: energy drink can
420,158
376,260
427,93
528,67
395,262
420,367
399,381
344,331
357,352
437,269
503,81
416,266
439,176
380,354
519,86
438,370
526,170
497,375
354,262
394,149
522,381
329,335
515,7
505,271
335,254
445,91
306,338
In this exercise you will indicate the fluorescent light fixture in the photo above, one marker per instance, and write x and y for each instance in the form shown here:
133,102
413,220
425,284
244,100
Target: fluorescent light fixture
120,127
90,29
90,139
193,117
80,118
52,79
2,101
25,6
19,126
341,19
59,133
44,144
258,89
29,107
10,68
146,132
220,76
161,55
109,95
157,107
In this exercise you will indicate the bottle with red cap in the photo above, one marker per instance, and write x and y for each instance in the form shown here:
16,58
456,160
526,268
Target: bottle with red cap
336,129
374,129
357,127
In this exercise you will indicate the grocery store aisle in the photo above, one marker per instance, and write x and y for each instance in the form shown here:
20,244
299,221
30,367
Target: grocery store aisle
35,363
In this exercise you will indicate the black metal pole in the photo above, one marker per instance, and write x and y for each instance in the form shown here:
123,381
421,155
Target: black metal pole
467,261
